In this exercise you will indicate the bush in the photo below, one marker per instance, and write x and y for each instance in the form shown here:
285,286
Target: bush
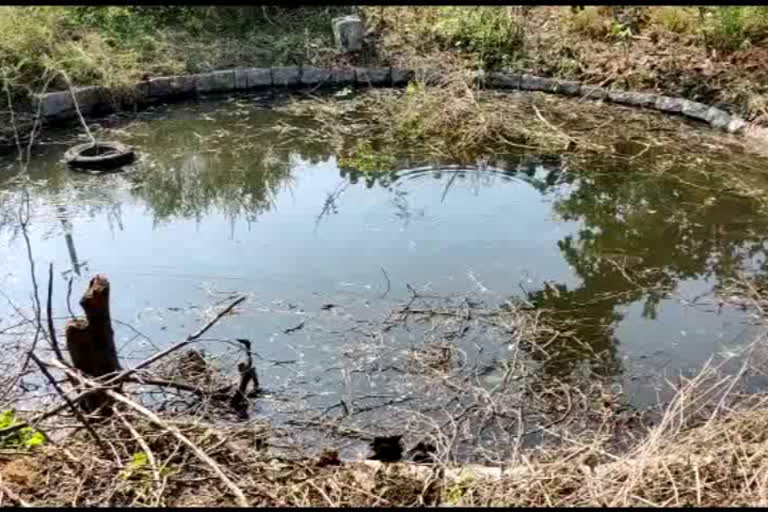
735,27
489,32
592,22
680,20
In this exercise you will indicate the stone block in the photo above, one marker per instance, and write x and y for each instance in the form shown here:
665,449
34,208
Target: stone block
736,125
718,118
537,83
316,76
343,76
496,80
258,77
216,81
373,76
695,110
171,87
591,92
636,99
670,105
241,79
568,87
286,76
91,98
348,33
60,105
55,104
401,76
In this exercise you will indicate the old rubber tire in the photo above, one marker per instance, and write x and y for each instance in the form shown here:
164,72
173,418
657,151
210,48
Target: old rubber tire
103,156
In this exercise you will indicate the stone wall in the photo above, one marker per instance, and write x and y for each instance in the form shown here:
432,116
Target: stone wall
95,100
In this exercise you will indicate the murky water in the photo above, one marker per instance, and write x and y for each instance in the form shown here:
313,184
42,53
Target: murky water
224,201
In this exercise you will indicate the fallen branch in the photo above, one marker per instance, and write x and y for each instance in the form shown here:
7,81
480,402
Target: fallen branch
14,497
121,377
70,404
241,500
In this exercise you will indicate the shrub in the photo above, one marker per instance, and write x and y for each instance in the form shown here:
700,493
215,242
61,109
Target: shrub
680,20
491,33
734,27
592,21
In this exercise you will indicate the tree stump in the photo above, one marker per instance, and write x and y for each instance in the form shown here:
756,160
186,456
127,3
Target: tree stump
91,342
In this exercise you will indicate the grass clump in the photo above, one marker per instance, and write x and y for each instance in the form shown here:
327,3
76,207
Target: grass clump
679,20
592,21
486,37
735,27
117,46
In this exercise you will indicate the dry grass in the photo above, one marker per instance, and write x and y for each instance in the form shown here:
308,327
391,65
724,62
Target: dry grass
707,449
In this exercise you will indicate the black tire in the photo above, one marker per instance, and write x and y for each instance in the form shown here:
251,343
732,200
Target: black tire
103,156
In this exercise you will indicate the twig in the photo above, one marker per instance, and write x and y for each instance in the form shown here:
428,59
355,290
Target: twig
241,500
119,377
15,497
144,446
49,312
389,285
77,107
70,404
192,337
69,295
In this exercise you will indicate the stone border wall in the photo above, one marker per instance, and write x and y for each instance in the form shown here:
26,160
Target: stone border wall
57,106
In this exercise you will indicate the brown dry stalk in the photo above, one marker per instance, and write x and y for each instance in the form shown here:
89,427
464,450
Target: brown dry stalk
199,453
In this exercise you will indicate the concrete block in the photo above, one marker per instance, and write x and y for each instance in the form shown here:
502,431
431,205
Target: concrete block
401,76
60,105
636,99
695,110
343,76
286,76
667,104
537,83
736,125
348,33
216,81
568,87
91,98
55,104
171,87
241,79
495,80
591,92
258,77
316,76
373,76
718,118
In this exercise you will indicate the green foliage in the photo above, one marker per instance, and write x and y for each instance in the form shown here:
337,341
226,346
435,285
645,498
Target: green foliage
680,20
116,45
26,437
591,22
365,159
490,33
734,27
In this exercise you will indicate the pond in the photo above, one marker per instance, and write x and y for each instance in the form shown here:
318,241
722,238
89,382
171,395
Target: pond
224,201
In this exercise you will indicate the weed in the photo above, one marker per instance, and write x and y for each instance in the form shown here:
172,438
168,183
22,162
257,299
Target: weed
26,437
591,22
366,160
735,27
680,20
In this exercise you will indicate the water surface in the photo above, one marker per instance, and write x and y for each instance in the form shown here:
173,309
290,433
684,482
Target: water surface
223,200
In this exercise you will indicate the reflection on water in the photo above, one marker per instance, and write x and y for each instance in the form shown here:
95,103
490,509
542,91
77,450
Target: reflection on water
232,197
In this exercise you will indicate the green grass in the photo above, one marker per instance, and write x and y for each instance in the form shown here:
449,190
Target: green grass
116,46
